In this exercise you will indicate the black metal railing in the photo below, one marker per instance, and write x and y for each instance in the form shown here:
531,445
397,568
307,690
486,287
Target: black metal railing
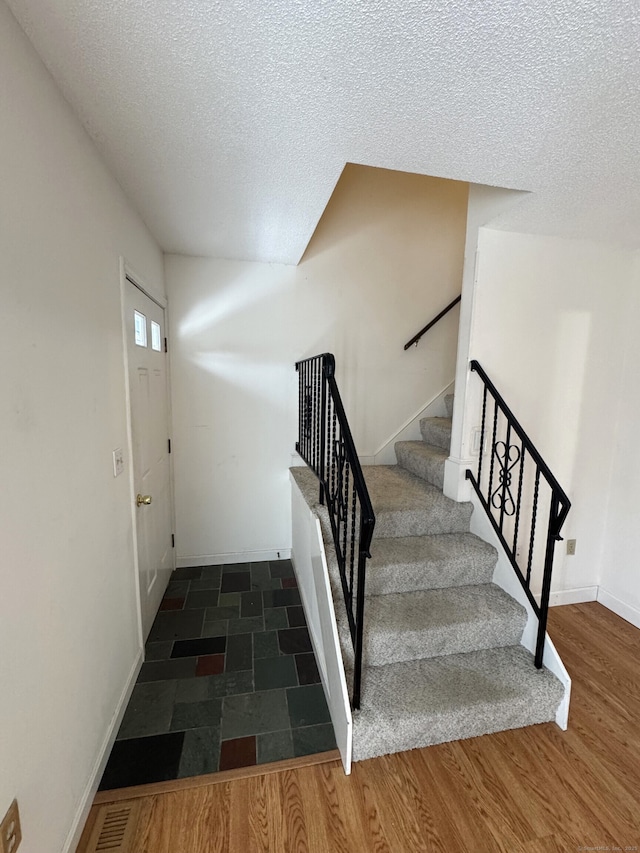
416,338
521,497
326,445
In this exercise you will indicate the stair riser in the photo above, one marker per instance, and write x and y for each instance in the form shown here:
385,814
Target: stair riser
489,634
431,470
422,522
456,726
436,431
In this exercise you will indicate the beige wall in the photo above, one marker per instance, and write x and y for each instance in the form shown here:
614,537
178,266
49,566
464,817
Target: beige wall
386,257
549,327
68,619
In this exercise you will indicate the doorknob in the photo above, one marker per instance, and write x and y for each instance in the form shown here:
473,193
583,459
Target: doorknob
143,499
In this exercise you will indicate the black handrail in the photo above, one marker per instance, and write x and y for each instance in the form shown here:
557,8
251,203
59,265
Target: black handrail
505,510
415,339
326,445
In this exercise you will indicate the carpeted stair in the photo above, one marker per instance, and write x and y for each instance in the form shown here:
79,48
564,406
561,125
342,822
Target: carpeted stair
442,658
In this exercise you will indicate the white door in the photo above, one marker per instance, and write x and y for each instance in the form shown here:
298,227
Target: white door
150,434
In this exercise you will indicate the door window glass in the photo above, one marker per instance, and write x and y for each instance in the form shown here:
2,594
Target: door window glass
155,336
140,326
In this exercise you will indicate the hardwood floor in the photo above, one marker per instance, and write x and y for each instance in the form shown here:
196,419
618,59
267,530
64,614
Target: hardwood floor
536,790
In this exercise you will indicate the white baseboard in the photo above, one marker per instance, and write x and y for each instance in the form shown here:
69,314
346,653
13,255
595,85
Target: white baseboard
239,557
573,596
73,838
621,608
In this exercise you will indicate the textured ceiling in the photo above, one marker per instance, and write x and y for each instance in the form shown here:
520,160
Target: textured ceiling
228,122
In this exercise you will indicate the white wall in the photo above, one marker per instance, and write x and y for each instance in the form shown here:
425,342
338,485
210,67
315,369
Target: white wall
386,257
69,634
549,318
620,578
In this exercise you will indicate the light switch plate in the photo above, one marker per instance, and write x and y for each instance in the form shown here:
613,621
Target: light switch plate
118,462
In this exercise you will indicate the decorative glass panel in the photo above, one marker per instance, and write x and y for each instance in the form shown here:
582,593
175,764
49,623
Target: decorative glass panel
140,325
155,336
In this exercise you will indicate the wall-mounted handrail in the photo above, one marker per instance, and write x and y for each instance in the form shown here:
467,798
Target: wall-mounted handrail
326,445
416,338
516,492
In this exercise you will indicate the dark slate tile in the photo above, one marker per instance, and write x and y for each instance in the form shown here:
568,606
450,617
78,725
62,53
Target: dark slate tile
214,686
171,604
192,690
240,752
163,670
234,568
212,573
281,569
219,614
275,746
287,583
196,715
294,641
307,706
275,618
140,761
295,615
188,574
281,597
231,683
250,604
254,713
229,599
244,626
236,582
265,644
201,598
149,710
200,752
260,576
313,739
201,646
209,665
177,589
205,584
269,673
307,669
158,651
215,629
177,625
239,652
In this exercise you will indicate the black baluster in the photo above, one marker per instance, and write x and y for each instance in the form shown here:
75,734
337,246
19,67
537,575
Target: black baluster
493,448
520,479
534,512
484,414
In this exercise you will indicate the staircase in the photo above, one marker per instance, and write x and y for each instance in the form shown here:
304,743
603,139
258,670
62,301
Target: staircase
442,658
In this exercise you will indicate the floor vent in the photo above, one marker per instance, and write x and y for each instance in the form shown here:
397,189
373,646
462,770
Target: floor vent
114,828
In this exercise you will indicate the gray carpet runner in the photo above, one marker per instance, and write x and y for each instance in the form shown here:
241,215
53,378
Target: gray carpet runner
442,658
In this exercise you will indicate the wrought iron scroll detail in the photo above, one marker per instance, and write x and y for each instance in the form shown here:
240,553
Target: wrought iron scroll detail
508,457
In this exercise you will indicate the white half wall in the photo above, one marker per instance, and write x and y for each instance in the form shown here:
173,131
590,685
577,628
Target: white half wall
386,257
69,629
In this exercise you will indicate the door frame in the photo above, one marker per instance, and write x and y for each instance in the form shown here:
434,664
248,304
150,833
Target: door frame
128,275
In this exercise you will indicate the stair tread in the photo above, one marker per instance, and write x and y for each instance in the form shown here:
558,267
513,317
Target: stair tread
452,697
428,623
404,504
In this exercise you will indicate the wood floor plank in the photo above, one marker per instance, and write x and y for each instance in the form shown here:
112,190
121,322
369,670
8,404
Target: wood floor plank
535,790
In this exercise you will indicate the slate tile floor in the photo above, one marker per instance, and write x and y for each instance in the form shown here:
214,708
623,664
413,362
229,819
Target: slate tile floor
229,679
